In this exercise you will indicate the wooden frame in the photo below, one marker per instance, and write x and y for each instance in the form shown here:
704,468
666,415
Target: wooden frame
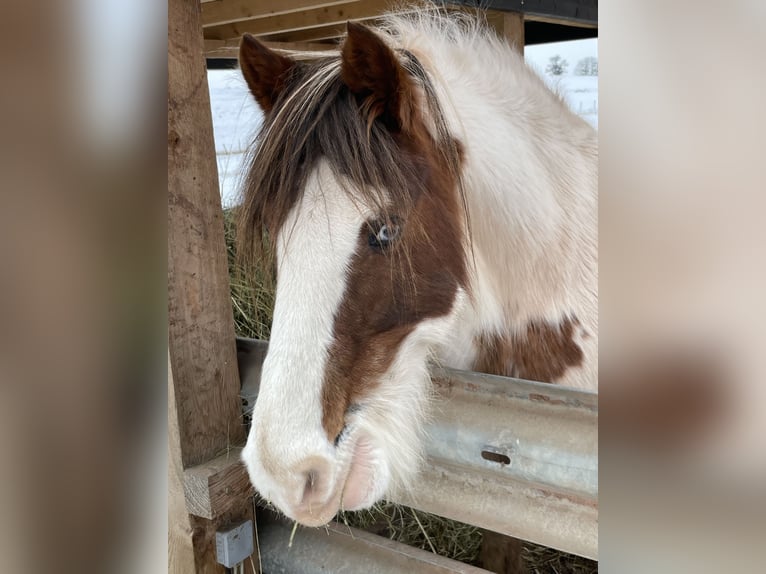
208,487
206,490
230,11
317,25
358,10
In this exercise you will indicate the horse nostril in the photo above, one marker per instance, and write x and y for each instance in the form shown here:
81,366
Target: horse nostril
311,486
314,480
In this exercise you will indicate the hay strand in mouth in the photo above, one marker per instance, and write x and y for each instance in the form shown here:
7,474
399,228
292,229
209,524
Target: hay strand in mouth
292,535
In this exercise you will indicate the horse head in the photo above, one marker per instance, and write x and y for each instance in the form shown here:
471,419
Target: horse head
354,188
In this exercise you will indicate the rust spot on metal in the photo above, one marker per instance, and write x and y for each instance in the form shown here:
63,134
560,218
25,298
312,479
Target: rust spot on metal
573,498
546,399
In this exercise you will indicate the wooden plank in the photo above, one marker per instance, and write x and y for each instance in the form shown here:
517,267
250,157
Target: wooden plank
228,11
333,31
230,48
510,26
360,10
201,326
203,395
217,487
570,12
560,21
191,539
180,547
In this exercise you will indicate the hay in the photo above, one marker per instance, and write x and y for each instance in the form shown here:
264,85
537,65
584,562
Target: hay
252,297
252,289
455,540
419,529
543,560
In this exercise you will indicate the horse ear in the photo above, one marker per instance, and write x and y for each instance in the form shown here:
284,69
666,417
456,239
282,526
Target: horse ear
264,70
372,71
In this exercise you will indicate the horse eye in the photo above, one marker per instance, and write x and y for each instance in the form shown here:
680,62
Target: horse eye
383,234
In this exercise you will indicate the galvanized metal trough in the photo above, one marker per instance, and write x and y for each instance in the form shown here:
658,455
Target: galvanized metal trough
512,456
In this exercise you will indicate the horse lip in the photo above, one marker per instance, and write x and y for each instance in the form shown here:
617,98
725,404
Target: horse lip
318,514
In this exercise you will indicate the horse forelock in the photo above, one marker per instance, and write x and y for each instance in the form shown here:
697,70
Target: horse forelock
316,118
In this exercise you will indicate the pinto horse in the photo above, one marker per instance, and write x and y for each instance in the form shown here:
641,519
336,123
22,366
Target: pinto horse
425,197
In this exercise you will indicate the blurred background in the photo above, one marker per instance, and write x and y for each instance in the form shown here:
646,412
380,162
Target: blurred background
83,310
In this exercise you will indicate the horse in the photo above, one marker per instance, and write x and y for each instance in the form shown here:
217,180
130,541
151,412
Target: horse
424,198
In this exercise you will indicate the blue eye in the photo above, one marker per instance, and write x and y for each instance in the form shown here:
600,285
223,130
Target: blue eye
382,234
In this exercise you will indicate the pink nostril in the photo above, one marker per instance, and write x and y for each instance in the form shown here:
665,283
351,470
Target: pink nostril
317,474
311,486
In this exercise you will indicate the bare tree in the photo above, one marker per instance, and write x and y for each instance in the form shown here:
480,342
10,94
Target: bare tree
587,67
556,66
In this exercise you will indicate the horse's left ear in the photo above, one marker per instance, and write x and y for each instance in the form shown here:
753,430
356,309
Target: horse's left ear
372,71
264,70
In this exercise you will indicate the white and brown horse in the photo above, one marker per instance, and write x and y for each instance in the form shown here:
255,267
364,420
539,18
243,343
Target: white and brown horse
426,197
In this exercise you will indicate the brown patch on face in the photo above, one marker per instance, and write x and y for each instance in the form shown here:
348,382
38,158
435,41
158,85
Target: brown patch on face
390,291
544,352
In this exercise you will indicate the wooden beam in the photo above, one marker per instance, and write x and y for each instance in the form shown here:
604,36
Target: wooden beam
510,26
228,11
560,21
204,408
201,326
569,12
230,48
312,34
217,487
360,10
180,546
191,539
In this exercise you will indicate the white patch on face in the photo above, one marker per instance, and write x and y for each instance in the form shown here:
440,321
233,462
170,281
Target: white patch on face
288,446
314,249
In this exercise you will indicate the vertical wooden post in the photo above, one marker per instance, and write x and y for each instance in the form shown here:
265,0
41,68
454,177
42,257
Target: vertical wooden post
204,405
508,25
203,351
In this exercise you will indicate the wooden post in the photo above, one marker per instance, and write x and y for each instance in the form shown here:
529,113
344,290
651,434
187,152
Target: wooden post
204,408
508,25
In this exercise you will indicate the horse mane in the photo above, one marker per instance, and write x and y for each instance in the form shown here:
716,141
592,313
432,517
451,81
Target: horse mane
317,118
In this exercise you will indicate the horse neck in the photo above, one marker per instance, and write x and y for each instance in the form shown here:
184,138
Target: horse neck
530,178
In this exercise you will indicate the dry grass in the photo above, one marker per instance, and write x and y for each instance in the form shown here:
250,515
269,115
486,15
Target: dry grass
252,296
454,539
419,529
252,290
543,560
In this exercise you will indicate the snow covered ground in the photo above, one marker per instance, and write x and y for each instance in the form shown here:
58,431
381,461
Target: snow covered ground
236,118
580,92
